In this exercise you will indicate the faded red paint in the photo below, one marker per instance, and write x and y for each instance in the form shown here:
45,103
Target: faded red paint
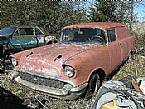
85,59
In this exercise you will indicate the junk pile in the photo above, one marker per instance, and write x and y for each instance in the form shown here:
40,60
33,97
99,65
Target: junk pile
128,93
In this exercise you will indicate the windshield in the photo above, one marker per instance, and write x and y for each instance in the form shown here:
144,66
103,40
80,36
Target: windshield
82,35
7,30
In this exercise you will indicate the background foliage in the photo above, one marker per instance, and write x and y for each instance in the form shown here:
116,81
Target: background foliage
52,16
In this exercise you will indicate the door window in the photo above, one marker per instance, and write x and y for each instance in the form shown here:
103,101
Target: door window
26,31
111,35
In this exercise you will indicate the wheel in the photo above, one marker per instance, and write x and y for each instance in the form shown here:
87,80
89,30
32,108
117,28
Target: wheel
94,84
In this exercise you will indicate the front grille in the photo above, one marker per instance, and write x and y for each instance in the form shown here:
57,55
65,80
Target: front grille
42,81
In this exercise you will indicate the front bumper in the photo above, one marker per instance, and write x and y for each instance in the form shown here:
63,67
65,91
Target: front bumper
58,91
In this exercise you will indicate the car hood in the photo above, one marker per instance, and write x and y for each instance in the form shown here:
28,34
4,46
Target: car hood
49,58
57,51
8,30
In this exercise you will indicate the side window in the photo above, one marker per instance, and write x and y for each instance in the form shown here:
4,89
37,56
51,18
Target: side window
111,35
26,31
38,32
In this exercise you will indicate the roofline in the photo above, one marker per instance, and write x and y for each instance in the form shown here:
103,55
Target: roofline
106,25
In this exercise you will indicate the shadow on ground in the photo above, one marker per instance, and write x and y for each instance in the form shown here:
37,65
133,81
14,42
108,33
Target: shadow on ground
9,100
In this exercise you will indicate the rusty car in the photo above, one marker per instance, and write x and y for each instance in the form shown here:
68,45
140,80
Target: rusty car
85,54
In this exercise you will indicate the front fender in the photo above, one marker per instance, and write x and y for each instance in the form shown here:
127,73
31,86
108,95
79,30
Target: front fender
87,62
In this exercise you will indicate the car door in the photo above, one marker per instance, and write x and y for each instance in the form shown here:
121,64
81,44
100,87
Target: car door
15,41
24,38
114,48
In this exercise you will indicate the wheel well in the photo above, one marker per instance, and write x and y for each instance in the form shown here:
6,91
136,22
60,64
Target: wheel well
101,75
100,72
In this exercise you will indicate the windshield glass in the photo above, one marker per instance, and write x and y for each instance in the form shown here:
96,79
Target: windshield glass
7,30
82,35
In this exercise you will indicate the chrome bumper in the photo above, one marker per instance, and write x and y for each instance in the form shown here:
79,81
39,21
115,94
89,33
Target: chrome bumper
50,90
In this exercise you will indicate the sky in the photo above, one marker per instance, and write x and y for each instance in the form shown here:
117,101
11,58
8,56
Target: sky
139,10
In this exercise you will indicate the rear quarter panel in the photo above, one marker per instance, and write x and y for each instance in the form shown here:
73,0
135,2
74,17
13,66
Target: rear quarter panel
126,41
124,34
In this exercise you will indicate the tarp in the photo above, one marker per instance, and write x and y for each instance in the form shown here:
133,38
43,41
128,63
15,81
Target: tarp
119,95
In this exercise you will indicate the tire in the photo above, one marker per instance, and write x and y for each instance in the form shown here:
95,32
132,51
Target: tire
94,84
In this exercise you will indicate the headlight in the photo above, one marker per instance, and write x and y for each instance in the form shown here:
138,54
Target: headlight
14,61
69,71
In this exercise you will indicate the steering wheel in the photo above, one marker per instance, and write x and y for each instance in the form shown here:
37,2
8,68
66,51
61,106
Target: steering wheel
98,38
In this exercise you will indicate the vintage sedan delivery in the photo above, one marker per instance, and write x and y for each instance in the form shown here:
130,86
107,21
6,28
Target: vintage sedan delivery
75,66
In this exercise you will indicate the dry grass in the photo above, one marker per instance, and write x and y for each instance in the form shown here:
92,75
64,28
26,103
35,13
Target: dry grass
135,67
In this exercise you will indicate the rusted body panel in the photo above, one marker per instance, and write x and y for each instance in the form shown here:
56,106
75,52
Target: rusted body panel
50,61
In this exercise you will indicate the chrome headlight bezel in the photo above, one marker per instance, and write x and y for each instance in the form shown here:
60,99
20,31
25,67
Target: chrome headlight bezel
14,61
69,71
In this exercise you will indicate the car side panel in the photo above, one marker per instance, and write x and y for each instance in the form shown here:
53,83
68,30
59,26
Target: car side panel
115,54
88,62
125,50
107,58
126,42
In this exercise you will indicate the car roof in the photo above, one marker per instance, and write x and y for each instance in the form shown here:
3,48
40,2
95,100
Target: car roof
102,25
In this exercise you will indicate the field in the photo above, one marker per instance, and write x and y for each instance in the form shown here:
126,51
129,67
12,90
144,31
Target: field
134,67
